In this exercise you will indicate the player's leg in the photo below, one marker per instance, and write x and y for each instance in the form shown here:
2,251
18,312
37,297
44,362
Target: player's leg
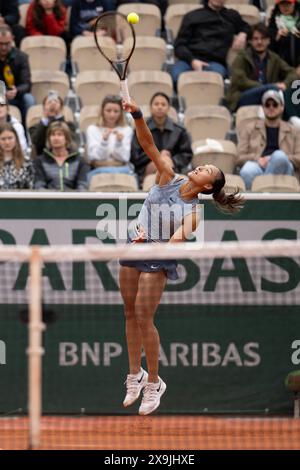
129,279
137,377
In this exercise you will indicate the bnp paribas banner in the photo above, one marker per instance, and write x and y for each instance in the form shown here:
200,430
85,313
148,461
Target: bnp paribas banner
230,328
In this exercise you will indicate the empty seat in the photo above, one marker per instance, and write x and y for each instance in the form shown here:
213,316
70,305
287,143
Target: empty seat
200,87
85,55
112,182
234,182
275,184
148,182
43,81
44,52
150,17
93,86
149,53
15,112
88,115
176,2
249,13
221,153
35,113
175,13
207,121
247,114
143,84
23,13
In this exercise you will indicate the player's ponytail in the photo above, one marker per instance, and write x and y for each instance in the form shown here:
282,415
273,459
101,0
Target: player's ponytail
225,202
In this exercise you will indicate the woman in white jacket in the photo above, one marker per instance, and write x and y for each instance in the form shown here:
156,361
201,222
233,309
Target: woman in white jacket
109,141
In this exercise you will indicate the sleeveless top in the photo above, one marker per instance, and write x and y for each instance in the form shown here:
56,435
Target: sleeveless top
163,211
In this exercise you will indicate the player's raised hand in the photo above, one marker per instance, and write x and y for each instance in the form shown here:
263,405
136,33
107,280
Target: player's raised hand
130,106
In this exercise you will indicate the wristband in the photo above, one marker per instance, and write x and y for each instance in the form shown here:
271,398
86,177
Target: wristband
137,114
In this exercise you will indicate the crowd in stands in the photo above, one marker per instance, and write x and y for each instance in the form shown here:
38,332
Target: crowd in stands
258,65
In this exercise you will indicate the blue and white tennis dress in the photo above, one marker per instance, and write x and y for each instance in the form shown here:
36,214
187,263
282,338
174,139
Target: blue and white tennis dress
161,215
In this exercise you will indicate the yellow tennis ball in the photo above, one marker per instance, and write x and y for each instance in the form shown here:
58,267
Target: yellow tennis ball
133,18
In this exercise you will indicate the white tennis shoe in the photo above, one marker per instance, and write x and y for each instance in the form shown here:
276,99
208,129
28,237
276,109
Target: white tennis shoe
151,397
134,384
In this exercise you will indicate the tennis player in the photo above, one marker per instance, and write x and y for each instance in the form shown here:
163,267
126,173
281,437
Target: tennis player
170,214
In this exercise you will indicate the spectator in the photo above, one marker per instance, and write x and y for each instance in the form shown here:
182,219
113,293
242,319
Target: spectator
205,37
5,118
15,72
46,17
256,70
59,167
16,170
270,145
9,15
109,141
284,28
84,14
52,111
171,139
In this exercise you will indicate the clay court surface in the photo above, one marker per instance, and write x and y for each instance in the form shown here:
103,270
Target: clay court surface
154,432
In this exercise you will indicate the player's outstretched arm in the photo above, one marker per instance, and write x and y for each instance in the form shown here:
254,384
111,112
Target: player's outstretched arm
146,141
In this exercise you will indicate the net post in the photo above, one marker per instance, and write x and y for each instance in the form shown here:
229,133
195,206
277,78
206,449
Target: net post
35,350
297,406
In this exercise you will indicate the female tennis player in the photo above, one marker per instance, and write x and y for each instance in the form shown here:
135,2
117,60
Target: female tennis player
169,214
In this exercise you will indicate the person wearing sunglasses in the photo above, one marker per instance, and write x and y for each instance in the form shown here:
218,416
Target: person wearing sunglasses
269,145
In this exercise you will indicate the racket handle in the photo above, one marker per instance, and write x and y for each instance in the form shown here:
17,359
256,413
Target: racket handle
124,90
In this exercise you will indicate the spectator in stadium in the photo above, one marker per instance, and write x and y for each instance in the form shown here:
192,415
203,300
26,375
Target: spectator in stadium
256,70
15,73
53,108
284,28
46,17
84,14
205,37
9,15
268,145
109,141
16,170
5,117
171,139
60,167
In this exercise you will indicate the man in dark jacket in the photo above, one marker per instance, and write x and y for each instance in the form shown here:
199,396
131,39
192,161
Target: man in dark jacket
9,14
257,70
15,72
171,139
205,37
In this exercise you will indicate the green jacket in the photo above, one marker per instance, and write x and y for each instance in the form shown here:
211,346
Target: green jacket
243,74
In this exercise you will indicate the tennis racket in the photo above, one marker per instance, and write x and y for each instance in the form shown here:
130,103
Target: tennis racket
114,25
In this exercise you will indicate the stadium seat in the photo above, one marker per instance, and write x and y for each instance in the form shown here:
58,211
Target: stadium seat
176,2
15,112
175,13
43,81
44,52
93,86
207,121
88,115
223,157
112,182
275,184
23,13
247,114
35,113
143,84
233,182
200,87
85,55
150,17
249,13
147,113
149,53
148,182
